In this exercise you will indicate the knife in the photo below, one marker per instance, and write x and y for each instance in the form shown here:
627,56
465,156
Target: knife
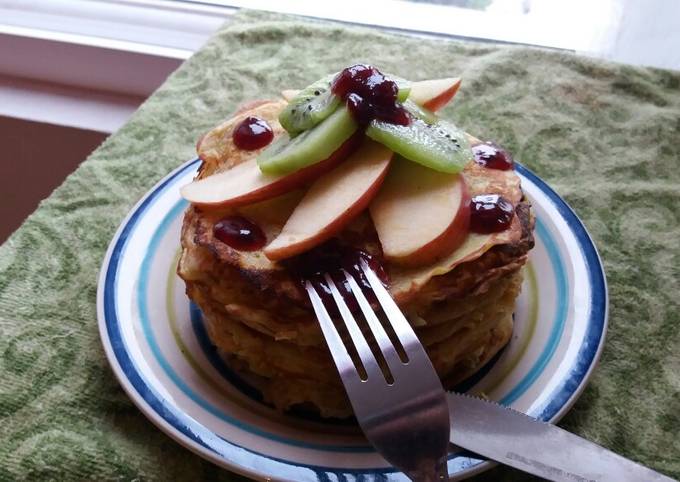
539,448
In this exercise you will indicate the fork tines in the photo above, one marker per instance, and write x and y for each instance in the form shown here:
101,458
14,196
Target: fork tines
371,362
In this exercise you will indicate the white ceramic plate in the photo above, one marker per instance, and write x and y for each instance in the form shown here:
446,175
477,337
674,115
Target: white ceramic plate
157,346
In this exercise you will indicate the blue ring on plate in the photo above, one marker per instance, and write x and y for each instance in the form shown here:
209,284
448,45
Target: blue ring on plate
558,326
570,388
241,456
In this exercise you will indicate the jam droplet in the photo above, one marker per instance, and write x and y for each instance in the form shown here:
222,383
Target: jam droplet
492,156
252,133
490,213
332,258
359,108
239,233
369,95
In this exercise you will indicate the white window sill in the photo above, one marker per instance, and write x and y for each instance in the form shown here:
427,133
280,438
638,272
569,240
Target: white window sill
66,106
89,63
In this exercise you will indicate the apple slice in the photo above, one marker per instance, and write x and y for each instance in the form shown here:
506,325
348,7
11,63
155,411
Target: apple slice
245,183
434,94
420,214
333,201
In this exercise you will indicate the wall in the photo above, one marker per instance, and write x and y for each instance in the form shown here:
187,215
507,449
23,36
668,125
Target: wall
35,158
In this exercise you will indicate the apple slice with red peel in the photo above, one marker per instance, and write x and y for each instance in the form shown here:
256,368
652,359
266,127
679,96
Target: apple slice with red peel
434,94
245,183
333,201
420,214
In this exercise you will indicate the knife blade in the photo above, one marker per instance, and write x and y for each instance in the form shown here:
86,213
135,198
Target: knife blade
539,448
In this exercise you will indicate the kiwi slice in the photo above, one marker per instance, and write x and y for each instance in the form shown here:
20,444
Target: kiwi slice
404,91
312,105
419,112
403,85
441,146
316,102
288,154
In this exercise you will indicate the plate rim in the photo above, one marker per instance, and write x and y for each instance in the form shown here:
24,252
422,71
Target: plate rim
591,255
586,246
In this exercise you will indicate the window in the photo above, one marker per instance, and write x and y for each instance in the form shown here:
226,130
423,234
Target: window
115,53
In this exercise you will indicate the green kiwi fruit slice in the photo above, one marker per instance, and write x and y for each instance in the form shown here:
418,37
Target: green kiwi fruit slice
316,102
288,154
419,112
403,85
310,106
441,146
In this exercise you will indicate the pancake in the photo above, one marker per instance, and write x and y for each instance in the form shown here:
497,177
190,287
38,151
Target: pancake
258,316
457,346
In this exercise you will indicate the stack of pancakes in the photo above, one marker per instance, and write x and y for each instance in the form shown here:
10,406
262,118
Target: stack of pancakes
258,316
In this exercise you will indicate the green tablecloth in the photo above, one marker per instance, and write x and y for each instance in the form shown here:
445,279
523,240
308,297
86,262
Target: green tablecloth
605,136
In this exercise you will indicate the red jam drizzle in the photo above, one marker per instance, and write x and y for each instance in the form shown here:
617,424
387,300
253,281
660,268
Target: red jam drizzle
332,258
369,95
239,233
490,213
252,133
492,156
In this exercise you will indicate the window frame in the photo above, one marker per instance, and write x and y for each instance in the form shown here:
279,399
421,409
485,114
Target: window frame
119,52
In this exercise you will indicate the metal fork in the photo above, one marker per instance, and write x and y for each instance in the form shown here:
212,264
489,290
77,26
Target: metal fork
400,407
